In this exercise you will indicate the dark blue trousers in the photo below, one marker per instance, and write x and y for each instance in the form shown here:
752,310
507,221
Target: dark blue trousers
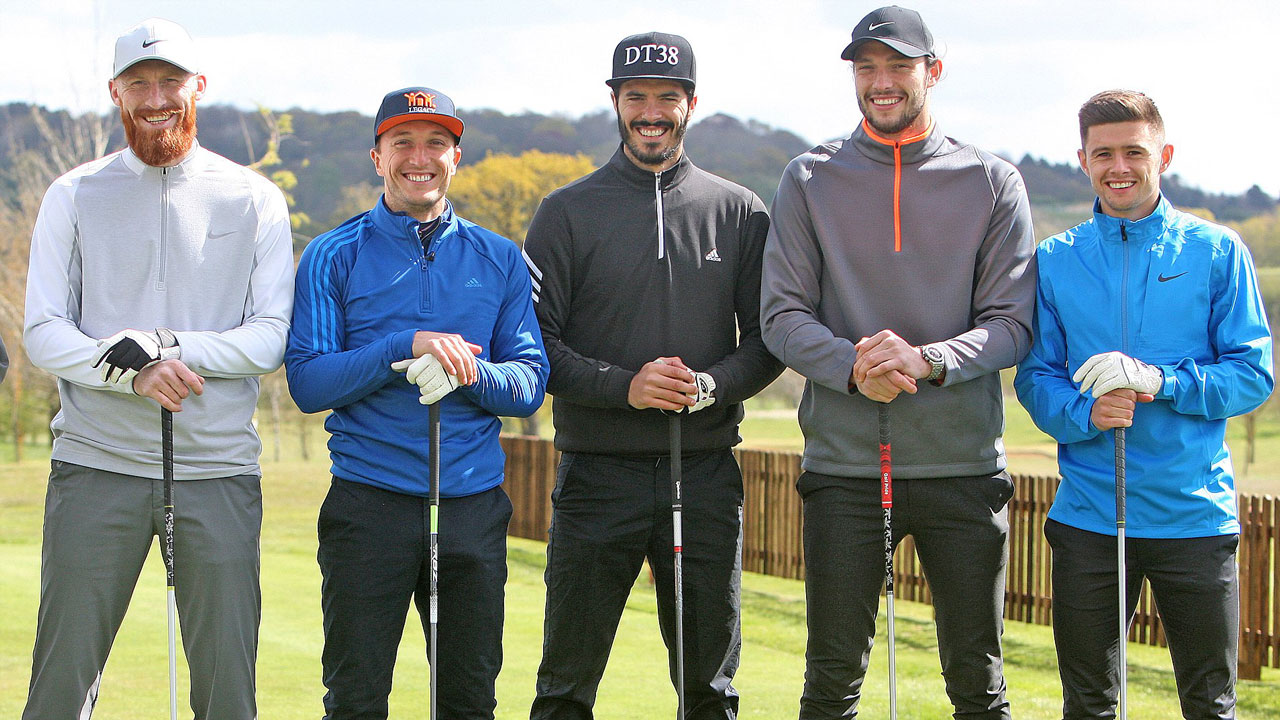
1193,581
374,556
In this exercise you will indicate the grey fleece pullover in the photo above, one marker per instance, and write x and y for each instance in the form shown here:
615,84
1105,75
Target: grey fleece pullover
202,248
960,278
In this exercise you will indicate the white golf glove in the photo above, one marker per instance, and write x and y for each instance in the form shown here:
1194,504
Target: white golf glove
122,355
429,375
704,397
1109,371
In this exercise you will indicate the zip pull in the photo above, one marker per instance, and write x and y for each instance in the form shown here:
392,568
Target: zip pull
657,192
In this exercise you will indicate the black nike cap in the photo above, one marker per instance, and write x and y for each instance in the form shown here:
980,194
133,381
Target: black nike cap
899,28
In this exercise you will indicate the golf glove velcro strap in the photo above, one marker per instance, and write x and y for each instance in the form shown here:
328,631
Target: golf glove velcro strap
122,355
1109,371
705,395
429,375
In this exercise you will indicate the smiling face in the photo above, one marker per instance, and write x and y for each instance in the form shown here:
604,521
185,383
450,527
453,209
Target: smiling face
157,102
652,118
1124,161
893,89
416,161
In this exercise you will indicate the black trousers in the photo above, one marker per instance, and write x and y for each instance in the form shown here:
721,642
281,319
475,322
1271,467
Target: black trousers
610,513
1193,582
374,556
961,529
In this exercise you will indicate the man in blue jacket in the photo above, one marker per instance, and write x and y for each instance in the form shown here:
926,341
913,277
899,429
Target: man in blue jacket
409,290
1149,319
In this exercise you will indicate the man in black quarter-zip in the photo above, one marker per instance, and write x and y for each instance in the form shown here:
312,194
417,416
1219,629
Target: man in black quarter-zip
646,282
897,271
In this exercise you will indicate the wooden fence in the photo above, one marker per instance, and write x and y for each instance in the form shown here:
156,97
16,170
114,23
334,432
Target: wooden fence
772,544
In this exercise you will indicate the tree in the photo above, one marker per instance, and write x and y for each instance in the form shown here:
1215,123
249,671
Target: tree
501,192
65,142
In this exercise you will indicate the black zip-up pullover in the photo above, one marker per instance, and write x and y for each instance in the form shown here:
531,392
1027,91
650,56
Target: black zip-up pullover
630,265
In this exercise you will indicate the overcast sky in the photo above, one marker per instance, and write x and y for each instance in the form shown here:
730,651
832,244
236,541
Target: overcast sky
1015,72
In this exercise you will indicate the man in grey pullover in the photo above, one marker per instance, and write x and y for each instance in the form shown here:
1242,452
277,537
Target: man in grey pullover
160,276
896,271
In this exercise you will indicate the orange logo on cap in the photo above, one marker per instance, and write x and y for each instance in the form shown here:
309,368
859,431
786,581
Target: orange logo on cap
419,99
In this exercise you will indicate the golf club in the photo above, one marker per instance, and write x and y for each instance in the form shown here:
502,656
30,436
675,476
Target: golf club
433,615
677,535
886,502
1122,576
166,435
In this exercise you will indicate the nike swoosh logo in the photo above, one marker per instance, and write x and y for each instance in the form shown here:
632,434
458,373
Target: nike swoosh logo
878,25
219,235
149,43
1162,278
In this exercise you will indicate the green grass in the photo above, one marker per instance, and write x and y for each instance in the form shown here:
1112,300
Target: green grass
635,685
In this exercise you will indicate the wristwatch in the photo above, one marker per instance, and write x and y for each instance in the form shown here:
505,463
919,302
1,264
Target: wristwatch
937,364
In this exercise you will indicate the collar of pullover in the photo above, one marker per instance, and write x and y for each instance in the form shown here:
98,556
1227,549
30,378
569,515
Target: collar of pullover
643,179
401,226
1148,228
911,150
185,165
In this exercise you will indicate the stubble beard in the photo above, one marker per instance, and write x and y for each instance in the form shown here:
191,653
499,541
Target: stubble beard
632,138
161,148
915,106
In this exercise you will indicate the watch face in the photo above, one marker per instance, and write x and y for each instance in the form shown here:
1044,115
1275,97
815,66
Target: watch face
933,355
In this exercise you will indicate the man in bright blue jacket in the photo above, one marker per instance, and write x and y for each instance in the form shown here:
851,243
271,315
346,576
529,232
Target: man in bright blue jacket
410,291
1150,319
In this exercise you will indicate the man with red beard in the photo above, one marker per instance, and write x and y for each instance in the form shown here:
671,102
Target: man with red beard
897,273
646,280
161,274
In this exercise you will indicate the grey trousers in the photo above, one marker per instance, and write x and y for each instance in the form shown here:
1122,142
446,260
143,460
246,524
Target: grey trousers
961,527
98,529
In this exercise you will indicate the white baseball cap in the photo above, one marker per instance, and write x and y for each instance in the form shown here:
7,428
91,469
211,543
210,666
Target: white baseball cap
155,39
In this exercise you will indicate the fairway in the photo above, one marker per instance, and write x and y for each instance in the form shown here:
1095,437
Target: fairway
635,685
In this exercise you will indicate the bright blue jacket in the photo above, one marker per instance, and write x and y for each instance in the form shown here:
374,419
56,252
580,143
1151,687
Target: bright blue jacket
1178,293
363,290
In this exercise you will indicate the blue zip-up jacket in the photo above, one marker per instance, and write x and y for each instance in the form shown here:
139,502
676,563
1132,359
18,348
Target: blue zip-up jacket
363,289
1173,291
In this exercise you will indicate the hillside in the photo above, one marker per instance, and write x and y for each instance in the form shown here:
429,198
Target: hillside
329,152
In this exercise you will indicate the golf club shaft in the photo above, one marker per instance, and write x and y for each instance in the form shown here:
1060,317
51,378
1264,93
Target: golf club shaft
886,502
1122,577
434,530
166,450
677,507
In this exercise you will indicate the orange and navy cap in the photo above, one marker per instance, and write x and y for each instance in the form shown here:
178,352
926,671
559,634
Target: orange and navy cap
416,103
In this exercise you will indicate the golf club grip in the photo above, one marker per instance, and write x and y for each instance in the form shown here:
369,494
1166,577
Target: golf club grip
677,504
433,500
1120,490
886,457
166,454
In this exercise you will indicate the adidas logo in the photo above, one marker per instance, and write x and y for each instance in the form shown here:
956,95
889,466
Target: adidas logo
713,256
473,283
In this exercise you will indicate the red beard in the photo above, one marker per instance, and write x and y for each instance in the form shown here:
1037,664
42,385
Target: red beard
161,148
